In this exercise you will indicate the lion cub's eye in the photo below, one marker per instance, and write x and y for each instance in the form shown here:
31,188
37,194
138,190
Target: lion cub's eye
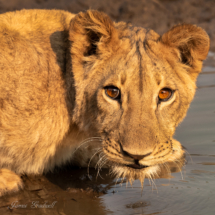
112,92
165,94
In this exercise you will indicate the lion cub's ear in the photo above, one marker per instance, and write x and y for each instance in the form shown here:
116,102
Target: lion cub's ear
191,43
92,34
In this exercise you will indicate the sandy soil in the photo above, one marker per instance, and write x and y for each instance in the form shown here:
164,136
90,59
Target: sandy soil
159,15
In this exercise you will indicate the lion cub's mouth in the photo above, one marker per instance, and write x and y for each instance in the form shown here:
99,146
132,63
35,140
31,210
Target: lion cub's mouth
137,166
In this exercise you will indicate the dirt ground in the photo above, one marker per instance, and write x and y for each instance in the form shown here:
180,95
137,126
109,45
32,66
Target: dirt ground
158,15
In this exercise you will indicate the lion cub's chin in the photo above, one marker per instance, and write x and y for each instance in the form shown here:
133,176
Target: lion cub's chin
131,174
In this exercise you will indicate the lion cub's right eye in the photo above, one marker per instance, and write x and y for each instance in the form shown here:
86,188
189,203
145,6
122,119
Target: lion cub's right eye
112,92
165,94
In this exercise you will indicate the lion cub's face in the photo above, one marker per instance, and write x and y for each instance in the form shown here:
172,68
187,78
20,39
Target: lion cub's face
133,88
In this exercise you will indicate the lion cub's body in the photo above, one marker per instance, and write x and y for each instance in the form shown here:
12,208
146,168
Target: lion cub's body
52,75
32,89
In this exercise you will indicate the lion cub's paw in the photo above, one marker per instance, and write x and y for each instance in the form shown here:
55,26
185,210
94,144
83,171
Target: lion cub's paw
9,182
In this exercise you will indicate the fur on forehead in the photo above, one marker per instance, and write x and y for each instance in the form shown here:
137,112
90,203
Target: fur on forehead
94,38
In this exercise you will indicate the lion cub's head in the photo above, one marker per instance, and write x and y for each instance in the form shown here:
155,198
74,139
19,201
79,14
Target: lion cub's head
133,87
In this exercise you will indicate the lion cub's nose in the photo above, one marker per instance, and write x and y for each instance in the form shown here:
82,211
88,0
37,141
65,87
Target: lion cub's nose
136,157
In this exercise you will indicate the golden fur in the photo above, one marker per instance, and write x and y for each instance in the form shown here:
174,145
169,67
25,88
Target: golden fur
54,67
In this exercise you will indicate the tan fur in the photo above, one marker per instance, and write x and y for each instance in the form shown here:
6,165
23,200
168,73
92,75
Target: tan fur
54,67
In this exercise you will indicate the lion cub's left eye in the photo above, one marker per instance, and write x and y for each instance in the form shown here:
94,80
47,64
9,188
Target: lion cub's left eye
165,94
112,92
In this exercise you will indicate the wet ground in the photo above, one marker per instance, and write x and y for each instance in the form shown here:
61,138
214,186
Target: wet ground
192,191
73,191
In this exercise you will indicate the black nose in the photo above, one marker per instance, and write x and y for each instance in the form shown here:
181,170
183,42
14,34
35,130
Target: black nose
136,157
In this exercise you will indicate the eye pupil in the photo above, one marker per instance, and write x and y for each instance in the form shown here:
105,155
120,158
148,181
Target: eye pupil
112,92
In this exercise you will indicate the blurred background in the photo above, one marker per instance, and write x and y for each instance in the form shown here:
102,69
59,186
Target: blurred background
158,15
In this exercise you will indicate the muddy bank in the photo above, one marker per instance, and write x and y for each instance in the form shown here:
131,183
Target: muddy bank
71,190
67,190
159,15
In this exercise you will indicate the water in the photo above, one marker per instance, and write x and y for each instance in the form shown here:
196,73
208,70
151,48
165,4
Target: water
191,191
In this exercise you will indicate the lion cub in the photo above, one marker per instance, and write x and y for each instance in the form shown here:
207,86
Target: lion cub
66,78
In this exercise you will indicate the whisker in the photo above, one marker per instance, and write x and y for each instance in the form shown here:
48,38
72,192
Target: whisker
153,182
104,162
98,174
167,168
175,161
149,181
100,167
117,180
87,141
189,155
99,161
91,159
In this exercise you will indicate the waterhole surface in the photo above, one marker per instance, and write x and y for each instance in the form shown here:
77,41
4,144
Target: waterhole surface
192,191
